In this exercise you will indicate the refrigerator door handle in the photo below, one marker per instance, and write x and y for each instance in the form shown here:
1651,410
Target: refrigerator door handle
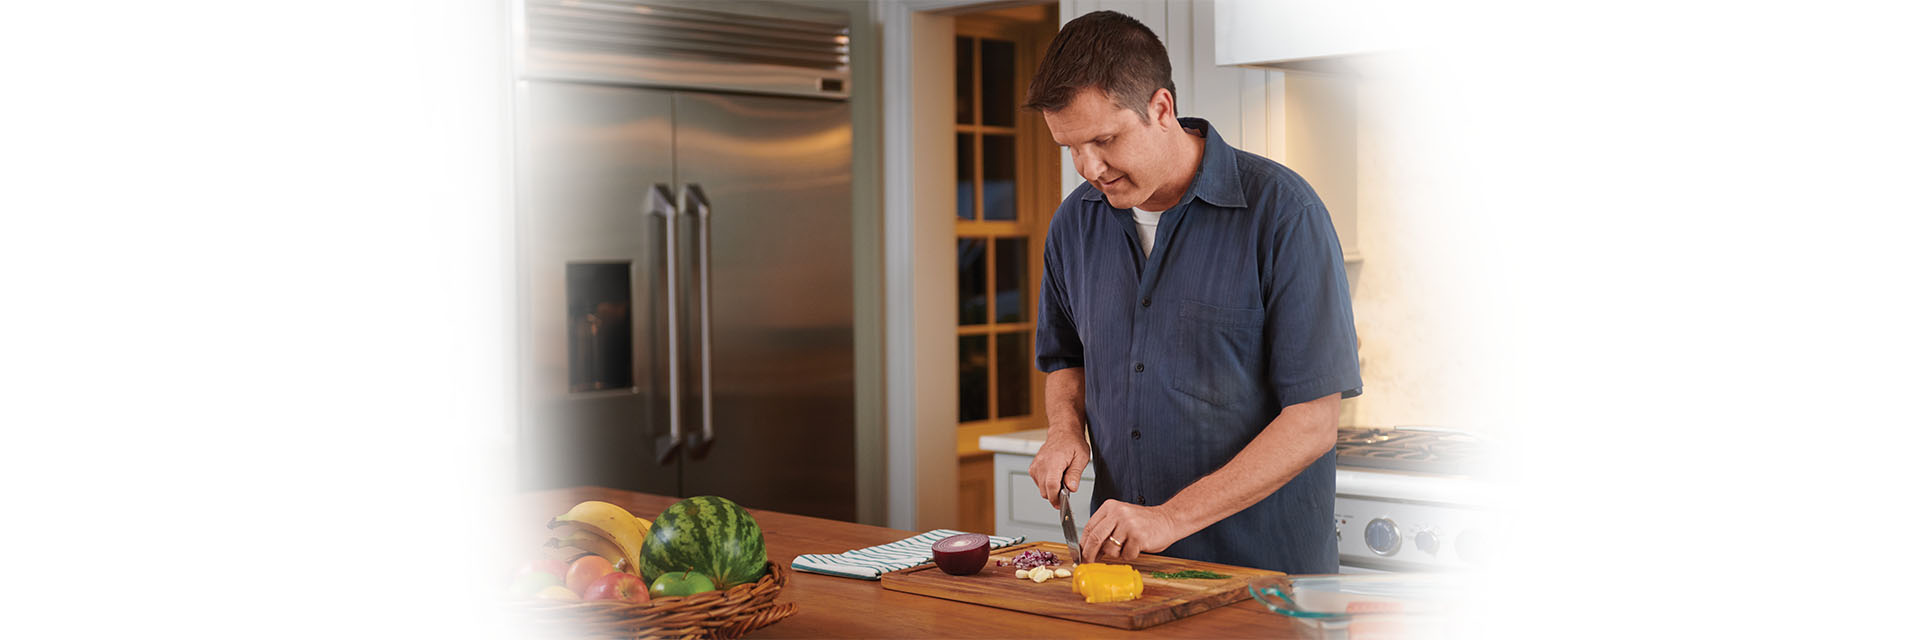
694,202
660,203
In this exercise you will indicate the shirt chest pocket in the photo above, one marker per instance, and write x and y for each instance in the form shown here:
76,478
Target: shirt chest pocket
1217,356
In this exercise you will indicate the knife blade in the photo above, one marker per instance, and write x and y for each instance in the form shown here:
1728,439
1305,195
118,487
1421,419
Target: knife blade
1066,521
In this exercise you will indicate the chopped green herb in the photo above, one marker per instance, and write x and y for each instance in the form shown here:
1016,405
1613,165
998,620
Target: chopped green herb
1190,573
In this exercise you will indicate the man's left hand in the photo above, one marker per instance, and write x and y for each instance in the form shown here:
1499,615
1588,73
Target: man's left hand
1125,530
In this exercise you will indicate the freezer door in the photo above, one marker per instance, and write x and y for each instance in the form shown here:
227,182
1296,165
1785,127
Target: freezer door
596,201
773,178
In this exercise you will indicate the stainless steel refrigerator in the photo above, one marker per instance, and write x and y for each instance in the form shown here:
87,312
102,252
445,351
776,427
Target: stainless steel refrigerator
685,260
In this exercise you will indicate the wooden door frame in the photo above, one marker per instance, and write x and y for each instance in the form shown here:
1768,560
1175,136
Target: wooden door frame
917,115
1037,196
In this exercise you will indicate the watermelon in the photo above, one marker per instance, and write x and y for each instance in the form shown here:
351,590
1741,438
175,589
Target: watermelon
710,535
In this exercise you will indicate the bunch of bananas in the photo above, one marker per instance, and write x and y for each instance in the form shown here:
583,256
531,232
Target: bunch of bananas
602,529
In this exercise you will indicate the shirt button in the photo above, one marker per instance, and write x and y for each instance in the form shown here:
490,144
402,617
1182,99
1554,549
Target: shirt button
1146,302
1139,367
1136,434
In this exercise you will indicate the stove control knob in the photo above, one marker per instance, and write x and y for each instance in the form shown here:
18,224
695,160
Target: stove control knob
1383,536
1428,541
1467,544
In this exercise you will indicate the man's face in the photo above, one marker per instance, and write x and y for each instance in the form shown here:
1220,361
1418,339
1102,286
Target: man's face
1112,148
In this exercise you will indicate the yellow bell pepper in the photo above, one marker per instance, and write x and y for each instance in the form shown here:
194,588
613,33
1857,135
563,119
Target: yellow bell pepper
1101,582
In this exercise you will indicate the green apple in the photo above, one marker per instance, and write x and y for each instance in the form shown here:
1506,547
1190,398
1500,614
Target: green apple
557,592
680,583
532,582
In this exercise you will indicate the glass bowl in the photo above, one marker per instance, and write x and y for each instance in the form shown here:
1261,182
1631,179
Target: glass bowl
1372,606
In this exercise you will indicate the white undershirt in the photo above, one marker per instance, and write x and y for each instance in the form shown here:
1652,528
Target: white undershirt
1147,222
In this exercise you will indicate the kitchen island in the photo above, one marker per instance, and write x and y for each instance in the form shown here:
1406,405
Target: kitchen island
831,607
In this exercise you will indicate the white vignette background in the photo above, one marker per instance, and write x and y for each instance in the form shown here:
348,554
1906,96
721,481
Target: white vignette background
256,359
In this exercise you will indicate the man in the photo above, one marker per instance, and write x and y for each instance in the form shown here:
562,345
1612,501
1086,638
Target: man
1194,321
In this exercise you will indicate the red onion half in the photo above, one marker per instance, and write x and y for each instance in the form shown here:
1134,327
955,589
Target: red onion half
961,555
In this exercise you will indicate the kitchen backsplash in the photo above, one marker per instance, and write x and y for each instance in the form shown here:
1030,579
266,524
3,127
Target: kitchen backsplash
1411,357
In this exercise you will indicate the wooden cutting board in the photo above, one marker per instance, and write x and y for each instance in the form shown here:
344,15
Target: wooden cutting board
1161,601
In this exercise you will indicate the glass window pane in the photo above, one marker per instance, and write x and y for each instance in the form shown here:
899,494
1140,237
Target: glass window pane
997,95
973,378
1012,371
972,255
963,79
964,142
1010,279
997,151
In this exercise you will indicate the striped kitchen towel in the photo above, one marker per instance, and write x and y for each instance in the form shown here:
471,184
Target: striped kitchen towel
869,563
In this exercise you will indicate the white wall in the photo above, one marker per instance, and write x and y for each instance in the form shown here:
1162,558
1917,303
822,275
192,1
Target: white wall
258,268
935,308
918,149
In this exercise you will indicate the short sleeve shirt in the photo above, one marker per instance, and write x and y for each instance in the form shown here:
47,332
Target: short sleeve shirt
1189,353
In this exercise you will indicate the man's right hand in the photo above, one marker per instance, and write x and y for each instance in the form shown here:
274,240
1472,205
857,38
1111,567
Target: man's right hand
1065,453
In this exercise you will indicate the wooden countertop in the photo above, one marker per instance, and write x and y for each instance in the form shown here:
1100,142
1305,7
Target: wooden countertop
831,607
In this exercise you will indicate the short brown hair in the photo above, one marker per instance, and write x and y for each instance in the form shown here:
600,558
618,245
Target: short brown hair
1103,50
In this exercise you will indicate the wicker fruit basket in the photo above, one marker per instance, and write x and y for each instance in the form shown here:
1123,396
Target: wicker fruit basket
713,614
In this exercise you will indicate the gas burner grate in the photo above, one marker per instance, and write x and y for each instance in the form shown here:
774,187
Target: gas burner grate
1398,454
1370,436
1449,452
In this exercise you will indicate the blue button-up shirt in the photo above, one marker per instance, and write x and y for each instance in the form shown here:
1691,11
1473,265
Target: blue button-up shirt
1189,353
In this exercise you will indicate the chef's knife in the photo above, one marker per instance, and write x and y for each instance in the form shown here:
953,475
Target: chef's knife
1066,521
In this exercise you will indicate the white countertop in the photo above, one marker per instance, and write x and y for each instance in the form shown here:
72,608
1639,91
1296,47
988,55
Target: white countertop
1024,443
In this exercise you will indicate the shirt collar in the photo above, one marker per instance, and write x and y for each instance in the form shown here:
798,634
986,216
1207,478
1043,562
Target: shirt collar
1219,178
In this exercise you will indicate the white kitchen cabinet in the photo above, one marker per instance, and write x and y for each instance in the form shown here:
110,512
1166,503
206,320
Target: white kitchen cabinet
1273,32
1018,508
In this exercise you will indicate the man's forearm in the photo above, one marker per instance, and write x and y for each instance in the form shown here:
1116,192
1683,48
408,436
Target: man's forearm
1298,436
1067,401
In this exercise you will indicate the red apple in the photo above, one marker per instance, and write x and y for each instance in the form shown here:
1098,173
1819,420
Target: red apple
586,570
624,587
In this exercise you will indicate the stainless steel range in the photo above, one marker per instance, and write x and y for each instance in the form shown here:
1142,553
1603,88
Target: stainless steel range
1405,499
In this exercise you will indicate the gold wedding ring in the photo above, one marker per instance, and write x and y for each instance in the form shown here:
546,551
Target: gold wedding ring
1116,541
